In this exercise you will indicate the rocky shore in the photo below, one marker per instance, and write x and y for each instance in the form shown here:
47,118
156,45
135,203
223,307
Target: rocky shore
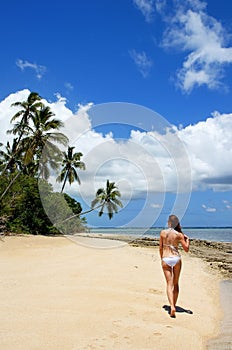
218,255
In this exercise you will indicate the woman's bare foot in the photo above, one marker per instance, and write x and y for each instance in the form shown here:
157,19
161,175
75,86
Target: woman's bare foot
173,312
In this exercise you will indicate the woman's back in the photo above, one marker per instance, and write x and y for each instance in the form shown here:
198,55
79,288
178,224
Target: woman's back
170,239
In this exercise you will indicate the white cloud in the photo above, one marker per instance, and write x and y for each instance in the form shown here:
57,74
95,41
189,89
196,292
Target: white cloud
146,7
209,148
148,162
202,37
208,209
160,5
7,112
143,63
39,70
156,205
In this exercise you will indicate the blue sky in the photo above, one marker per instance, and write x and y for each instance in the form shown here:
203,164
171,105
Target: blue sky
170,57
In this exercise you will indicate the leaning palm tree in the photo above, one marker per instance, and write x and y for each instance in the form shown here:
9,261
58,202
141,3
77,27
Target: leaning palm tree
107,197
70,163
11,161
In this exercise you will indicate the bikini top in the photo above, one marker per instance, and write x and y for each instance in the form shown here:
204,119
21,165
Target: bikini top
174,249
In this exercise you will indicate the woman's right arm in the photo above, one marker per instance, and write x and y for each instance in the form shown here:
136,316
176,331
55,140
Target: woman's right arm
185,242
161,245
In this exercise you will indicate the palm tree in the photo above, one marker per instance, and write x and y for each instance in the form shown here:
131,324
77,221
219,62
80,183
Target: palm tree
8,160
108,197
105,197
42,139
29,108
11,160
70,162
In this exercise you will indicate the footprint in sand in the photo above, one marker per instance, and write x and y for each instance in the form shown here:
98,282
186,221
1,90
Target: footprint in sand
114,335
157,333
117,322
155,291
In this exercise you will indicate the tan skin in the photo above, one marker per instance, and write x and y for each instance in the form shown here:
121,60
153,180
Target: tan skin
172,237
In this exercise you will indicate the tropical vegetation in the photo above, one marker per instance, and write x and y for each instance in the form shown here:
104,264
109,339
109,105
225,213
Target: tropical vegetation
28,203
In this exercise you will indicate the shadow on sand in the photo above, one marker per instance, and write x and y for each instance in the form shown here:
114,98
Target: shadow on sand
178,309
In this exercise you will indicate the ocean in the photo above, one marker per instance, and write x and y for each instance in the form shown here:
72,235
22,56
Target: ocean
213,234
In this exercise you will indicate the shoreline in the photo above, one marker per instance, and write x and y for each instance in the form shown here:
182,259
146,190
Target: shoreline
59,295
217,255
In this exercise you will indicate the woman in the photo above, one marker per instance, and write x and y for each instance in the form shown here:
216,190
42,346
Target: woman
171,259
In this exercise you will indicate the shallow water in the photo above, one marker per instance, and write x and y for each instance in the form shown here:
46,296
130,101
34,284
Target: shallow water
224,340
217,234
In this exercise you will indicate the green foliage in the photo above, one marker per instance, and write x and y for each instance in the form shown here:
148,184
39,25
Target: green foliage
26,207
22,205
107,197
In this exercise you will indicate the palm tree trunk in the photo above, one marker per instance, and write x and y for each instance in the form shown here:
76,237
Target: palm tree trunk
9,186
64,183
82,213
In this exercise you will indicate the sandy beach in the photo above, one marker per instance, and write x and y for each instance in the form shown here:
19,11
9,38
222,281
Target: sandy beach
56,293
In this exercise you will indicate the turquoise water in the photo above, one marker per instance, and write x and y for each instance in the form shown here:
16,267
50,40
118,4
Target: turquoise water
217,234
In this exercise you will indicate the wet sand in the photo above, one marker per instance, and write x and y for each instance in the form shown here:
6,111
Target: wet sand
58,293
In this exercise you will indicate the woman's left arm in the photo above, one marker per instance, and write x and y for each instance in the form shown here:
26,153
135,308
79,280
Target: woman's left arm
185,242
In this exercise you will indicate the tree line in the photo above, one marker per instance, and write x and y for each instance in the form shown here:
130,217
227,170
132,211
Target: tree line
25,166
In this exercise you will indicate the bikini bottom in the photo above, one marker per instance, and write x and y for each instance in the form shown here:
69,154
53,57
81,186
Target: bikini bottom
171,260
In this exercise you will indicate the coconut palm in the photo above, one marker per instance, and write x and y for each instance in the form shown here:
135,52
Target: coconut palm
41,135
8,159
29,108
42,139
107,197
70,163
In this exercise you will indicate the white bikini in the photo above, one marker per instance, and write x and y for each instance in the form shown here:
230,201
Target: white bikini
172,260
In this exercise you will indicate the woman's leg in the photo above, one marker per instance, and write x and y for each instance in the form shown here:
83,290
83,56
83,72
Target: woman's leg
169,279
176,275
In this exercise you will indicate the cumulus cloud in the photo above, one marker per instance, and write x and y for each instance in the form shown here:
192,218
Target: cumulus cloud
146,7
143,63
146,162
209,148
203,39
7,112
39,70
